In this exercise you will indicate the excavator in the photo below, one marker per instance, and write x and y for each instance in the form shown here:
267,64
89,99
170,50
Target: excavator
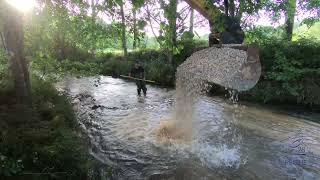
249,72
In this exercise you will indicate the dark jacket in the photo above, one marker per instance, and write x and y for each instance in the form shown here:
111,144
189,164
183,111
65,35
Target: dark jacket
137,72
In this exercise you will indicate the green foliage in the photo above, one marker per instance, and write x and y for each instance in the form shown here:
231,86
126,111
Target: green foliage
161,72
10,166
79,68
65,154
188,46
291,72
306,32
155,62
236,10
264,34
137,3
50,68
311,5
41,137
116,67
310,21
168,29
4,69
291,7
61,33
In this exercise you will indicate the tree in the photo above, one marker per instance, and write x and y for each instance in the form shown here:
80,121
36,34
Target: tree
290,8
170,13
94,4
313,6
167,37
135,33
94,10
170,23
13,39
136,5
168,26
225,18
191,21
123,23
290,11
67,30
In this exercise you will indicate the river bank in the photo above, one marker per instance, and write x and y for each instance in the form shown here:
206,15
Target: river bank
277,106
298,111
290,71
41,139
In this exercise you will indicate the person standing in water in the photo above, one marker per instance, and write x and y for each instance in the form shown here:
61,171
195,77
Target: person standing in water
138,72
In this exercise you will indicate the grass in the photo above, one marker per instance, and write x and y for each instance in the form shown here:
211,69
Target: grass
41,137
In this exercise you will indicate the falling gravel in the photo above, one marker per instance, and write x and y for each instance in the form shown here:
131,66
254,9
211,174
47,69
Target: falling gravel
222,66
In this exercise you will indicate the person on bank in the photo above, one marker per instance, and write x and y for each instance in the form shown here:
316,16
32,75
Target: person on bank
138,72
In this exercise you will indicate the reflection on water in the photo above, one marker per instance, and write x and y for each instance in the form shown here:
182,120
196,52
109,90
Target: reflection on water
230,141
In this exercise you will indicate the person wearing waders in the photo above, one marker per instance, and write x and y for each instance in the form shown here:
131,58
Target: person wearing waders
138,72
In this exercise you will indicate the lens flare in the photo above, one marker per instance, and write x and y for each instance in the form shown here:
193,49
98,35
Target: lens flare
22,5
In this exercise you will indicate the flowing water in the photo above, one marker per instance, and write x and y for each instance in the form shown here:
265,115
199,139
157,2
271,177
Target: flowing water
229,141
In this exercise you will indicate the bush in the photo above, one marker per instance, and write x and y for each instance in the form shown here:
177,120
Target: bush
116,67
41,137
80,68
161,72
112,64
154,62
264,34
50,68
290,72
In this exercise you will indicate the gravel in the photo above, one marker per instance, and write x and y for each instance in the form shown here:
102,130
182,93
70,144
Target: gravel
224,66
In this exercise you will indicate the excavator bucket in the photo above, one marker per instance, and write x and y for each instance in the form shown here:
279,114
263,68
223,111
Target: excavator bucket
233,66
248,73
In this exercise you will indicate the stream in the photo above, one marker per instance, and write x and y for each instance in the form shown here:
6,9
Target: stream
230,141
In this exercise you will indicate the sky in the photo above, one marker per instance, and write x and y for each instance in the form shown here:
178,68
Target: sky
201,25
263,18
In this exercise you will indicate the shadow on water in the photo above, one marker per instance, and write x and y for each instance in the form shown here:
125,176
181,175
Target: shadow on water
229,141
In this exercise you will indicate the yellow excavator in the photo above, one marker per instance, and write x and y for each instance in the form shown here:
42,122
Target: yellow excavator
232,32
249,72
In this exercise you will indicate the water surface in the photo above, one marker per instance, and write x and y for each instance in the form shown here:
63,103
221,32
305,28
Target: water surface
229,141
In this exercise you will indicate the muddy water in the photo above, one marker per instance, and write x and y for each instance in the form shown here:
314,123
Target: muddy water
229,141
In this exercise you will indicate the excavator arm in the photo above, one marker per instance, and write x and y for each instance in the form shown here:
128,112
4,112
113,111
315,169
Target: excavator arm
200,6
250,71
224,29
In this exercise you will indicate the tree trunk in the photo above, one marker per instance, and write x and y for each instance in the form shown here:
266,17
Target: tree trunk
172,18
232,8
13,37
226,7
124,38
191,21
135,33
93,16
94,12
241,9
2,41
289,21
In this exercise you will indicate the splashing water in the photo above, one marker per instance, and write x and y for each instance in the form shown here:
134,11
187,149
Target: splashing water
212,65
